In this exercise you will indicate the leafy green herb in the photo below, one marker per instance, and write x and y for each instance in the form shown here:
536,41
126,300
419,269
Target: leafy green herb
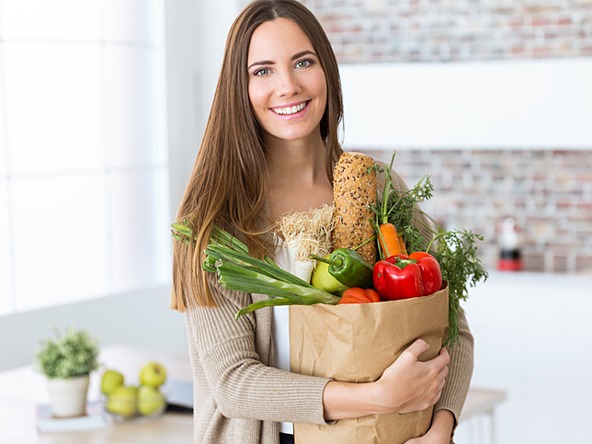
461,268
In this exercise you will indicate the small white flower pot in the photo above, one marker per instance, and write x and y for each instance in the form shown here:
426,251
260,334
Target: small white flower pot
67,397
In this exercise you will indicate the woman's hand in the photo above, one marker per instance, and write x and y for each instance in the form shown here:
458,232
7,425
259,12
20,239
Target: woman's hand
407,385
440,431
410,385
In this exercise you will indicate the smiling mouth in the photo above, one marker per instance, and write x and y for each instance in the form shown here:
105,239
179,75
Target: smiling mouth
289,110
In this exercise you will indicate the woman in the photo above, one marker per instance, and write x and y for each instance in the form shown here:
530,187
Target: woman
269,148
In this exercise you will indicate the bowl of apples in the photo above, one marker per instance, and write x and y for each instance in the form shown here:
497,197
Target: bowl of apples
127,402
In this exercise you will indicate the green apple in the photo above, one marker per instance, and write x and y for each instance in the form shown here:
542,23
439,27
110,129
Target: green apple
122,401
134,389
110,381
150,400
323,280
153,374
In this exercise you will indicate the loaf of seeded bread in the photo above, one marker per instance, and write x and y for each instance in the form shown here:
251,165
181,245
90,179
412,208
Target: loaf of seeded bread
354,192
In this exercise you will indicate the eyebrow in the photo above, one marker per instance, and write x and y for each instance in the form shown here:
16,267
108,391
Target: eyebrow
294,57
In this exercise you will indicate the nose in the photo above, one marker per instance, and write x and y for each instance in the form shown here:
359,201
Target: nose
287,84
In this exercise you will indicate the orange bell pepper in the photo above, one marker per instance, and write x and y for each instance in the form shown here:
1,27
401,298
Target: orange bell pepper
357,295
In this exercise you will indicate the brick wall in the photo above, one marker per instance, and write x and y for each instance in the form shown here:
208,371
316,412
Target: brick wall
455,30
548,193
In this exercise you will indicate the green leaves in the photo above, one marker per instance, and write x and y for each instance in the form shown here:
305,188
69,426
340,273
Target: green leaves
402,207
461,267
74,354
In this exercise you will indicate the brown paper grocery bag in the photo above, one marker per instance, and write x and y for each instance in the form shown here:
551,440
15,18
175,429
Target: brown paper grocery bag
356,342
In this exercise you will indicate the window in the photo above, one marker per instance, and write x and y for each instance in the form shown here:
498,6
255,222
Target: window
83,160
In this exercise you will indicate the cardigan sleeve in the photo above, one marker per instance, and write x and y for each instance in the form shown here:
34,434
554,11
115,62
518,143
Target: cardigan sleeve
457,383
241,384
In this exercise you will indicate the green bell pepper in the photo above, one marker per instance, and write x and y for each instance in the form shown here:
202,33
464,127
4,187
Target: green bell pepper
349,268
323,280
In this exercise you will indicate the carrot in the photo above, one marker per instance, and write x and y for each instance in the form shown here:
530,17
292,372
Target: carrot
402,245
389,240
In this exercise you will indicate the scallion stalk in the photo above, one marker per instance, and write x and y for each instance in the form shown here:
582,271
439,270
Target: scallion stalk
229,258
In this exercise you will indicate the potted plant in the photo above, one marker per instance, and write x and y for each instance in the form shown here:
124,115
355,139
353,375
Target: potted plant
67,362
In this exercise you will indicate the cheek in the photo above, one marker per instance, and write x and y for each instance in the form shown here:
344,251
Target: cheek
321,88
257,97
258,103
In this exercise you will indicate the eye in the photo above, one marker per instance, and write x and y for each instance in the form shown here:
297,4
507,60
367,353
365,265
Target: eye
262,72
303,63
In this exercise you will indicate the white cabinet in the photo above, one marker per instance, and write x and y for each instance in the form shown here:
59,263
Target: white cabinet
499,104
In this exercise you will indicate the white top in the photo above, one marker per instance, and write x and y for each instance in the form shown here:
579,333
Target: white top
281,326
281,341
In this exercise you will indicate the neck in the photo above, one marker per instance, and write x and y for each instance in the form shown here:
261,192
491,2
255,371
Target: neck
296,162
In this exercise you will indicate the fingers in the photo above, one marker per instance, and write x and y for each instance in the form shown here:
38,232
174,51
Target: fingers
441,376
420,346
443,373
442,360
437,398
441,365
417,348
440,372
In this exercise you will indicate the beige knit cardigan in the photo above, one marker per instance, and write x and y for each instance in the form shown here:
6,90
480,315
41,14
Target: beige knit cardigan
240,397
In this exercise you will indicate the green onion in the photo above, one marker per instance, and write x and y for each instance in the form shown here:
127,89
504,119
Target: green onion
229,259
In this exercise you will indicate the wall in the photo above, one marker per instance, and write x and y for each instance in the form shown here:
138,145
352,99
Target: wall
491,98
141,318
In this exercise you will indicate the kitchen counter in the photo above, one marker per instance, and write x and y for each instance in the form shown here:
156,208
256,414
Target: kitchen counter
523,278
23,388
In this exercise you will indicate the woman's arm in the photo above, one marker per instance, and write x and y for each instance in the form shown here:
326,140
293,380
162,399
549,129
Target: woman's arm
242,381
461,370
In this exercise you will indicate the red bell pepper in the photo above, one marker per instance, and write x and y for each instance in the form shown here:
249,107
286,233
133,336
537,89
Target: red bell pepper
431,275
357,295
404,277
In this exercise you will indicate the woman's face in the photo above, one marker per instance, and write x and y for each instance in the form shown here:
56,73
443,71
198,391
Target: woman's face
287,86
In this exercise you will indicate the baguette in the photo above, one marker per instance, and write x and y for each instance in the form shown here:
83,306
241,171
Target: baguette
354,191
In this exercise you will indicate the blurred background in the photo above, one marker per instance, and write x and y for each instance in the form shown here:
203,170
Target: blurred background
102,108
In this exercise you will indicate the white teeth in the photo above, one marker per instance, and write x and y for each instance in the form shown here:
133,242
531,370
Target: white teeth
290,110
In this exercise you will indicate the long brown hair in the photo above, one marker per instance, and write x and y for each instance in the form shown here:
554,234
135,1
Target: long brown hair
228,184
